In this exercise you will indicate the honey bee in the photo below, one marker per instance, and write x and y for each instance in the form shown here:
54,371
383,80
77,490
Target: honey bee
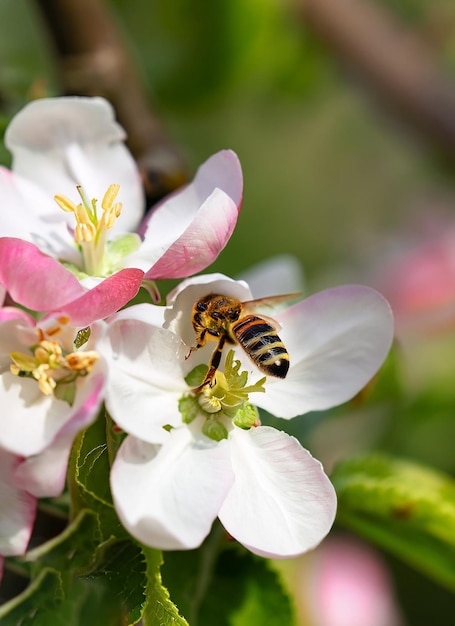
230,321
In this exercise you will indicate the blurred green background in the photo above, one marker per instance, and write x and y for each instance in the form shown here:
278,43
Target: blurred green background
331,175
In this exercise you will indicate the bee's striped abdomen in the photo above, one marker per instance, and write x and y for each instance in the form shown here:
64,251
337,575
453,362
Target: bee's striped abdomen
260,341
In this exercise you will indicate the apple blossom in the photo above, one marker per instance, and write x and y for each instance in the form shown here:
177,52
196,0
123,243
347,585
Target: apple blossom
51,386
72,149
194,453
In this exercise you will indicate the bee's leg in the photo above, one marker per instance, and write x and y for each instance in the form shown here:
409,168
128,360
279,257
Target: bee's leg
213,365
201,341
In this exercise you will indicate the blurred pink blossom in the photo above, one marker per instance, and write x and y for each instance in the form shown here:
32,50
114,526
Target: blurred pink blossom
350,586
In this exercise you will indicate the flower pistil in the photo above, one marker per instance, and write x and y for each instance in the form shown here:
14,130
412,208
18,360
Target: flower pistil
223,404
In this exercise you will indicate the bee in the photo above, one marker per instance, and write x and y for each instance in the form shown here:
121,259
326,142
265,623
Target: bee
230,321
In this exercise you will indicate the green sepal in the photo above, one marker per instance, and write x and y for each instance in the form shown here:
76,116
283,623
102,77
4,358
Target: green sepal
189,408
65,392
247,416
196,376
117,249
214,429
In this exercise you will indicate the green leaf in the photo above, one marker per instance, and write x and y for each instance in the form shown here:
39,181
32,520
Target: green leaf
402,506
120,568
59,594
89,477
159,609
223,584
73,549
33,606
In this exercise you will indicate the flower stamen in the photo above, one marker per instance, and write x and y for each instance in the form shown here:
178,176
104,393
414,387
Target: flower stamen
52,369
90,232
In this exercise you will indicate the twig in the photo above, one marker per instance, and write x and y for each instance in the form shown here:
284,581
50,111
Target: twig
92,60
392,60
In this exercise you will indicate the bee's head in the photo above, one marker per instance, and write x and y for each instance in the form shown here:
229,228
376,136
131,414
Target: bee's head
216,310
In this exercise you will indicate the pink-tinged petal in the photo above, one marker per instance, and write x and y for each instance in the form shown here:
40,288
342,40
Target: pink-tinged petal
17,511
8,313
176,212
145,378
44,475
337,340
59,143
168,496
33,279
201,242
187,230
281,503
105,298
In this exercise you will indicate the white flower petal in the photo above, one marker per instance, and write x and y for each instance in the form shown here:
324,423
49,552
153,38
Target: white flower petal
337,340
144,312
59,143
278,275
17,511
281,503
30,214
168,496
145,377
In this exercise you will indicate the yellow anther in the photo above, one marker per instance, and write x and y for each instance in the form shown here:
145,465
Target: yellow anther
45,382
65,204
110,196
48,352
111,214
83,216
84,233
111,209
78,361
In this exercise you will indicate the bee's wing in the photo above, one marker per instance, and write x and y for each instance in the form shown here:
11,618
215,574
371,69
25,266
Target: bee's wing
270,305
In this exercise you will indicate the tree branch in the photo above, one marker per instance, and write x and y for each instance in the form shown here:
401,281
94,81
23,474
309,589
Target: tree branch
92,60
392,60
